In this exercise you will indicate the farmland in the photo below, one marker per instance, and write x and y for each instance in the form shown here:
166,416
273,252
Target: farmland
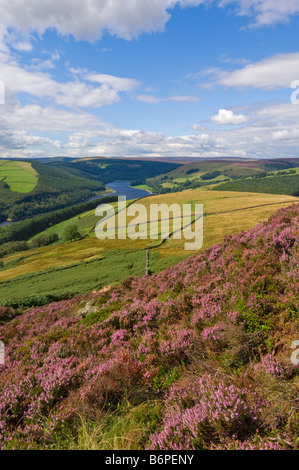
20,177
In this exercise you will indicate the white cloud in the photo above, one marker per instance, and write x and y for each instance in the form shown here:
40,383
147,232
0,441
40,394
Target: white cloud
273,131
88,19
101,89
198,127
117,83
22,46
274,72
265,12
226,116
47,119
191,99
151,99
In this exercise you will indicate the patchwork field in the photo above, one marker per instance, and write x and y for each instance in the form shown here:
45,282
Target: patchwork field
19,176
65,269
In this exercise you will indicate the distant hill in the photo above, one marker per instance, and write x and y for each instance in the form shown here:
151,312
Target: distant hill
215,171
113,169
231,167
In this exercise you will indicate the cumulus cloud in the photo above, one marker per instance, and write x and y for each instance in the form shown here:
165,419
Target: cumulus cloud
273,131
78,93
88,19
271,73
265,12
226,116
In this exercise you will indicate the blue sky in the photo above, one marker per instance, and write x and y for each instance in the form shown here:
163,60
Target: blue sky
192,78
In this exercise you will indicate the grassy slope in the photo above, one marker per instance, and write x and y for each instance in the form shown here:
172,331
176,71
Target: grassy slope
21,177
216,329
226,213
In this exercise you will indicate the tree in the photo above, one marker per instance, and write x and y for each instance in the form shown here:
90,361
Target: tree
71,233
44,240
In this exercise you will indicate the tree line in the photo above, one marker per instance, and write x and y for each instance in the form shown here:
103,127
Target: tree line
26,229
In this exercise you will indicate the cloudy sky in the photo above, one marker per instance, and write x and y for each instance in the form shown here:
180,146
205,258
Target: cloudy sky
200,78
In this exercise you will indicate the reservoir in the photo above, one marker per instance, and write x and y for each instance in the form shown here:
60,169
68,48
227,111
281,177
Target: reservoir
123,188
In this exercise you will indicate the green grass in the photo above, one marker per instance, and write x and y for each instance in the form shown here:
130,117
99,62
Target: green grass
128,428
144,186
19,176
85,222
55,284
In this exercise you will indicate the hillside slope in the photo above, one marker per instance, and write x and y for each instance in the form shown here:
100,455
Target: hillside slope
55,189
197,357
113,169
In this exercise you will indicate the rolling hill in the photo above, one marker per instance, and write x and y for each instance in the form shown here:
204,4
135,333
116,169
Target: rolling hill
213,171
113,169
197,357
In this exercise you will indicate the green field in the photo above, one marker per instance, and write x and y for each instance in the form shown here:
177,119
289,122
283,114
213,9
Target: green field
19,176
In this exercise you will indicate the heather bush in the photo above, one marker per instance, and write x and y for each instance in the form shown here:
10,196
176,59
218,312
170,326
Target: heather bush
204,412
